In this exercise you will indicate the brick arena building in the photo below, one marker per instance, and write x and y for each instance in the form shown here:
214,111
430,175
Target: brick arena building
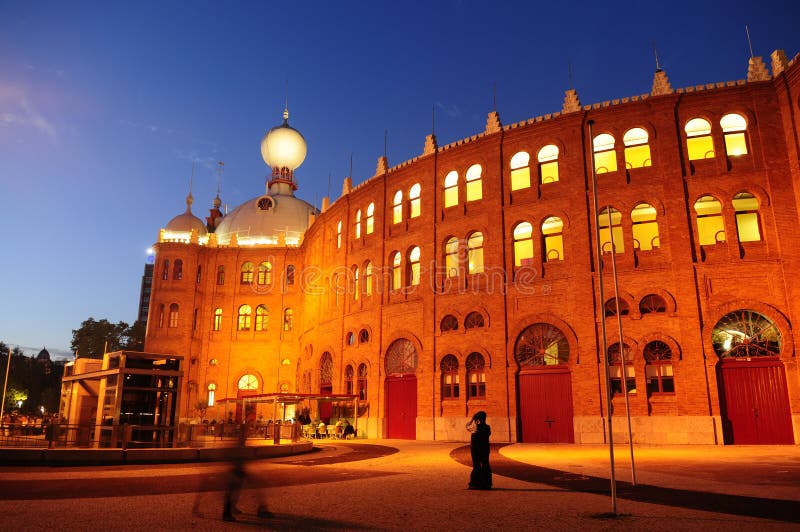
467,279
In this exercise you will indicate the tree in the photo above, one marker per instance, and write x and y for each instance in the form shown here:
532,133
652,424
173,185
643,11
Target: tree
93,338
36,383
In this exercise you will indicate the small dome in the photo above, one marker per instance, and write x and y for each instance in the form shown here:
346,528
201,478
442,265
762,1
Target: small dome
44,354
184,223
283,146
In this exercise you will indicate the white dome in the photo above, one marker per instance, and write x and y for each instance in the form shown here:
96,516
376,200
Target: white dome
184,223
261,220
283,147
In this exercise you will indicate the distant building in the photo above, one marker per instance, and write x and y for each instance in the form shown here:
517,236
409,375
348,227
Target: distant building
466,278
144,293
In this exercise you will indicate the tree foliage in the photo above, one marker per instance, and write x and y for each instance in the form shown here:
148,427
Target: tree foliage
37,383
95,337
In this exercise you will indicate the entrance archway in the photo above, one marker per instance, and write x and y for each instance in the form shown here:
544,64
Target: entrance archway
248,385
325,386
401,390
544,385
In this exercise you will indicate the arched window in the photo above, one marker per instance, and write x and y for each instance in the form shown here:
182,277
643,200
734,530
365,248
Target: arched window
645,227
541,344
552,231
450,379
262,318
710,226
245,313
161,316
177,270
339,235
349,375
699,143
358,224
217,319
264,273
610,308
413,275
414,202
746,333
165,270
652,304
658,369
368,278
451,189
637,150
610,229
370,218
326,373
397,207
475,253
474,183
401,358
523,245
397,272
363,336
247,273
362,382
615,369
448,323
356,282
220,275
350,338
548,164
605,157
733,131
451,257
476,376
248,382
746,207
173,315
287,319
212,393
290,275
474,320
520,171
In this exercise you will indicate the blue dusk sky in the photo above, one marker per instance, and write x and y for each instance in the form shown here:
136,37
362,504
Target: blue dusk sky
104,106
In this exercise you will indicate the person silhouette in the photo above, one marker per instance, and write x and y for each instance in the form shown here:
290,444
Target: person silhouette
236,478
481,476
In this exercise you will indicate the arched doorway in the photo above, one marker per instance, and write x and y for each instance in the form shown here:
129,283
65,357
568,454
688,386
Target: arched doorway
401,390
247,385
544,385
325,386
754,400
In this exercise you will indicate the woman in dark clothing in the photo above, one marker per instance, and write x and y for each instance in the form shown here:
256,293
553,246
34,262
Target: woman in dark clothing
481,476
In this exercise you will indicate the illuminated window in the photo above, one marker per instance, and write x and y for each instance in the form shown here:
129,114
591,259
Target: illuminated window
356,282
448,323
610,230
541,344
733,130
245,313
615,369
699,143
397,272
658,368
475,253
351,338
247,273
710,225
212,392
264,273
160,316
165,270
288,314
339,234
474,320
358,223
262,318
349,374
326,373
746,207
217,319
637,150
552,231
548,164
645,227
450,380
397,207
248,382
414,266
220,275
605,157
414,202
451,189
652,304
362,382
523,245
368,278
474,183
610,308
745,333
476,376
520,171
451,257
290,274
177,270
173,315
370,218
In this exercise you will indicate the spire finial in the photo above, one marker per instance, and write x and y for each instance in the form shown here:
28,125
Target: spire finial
749,42
655,52
433,120
494,96
569,74
385,142
351,165
286,106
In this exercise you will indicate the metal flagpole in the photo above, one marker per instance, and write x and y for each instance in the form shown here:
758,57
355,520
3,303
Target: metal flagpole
621,343
604,356
5,387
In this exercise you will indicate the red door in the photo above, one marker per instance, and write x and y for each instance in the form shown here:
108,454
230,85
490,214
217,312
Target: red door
325,407
545,405
754,401
401,407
